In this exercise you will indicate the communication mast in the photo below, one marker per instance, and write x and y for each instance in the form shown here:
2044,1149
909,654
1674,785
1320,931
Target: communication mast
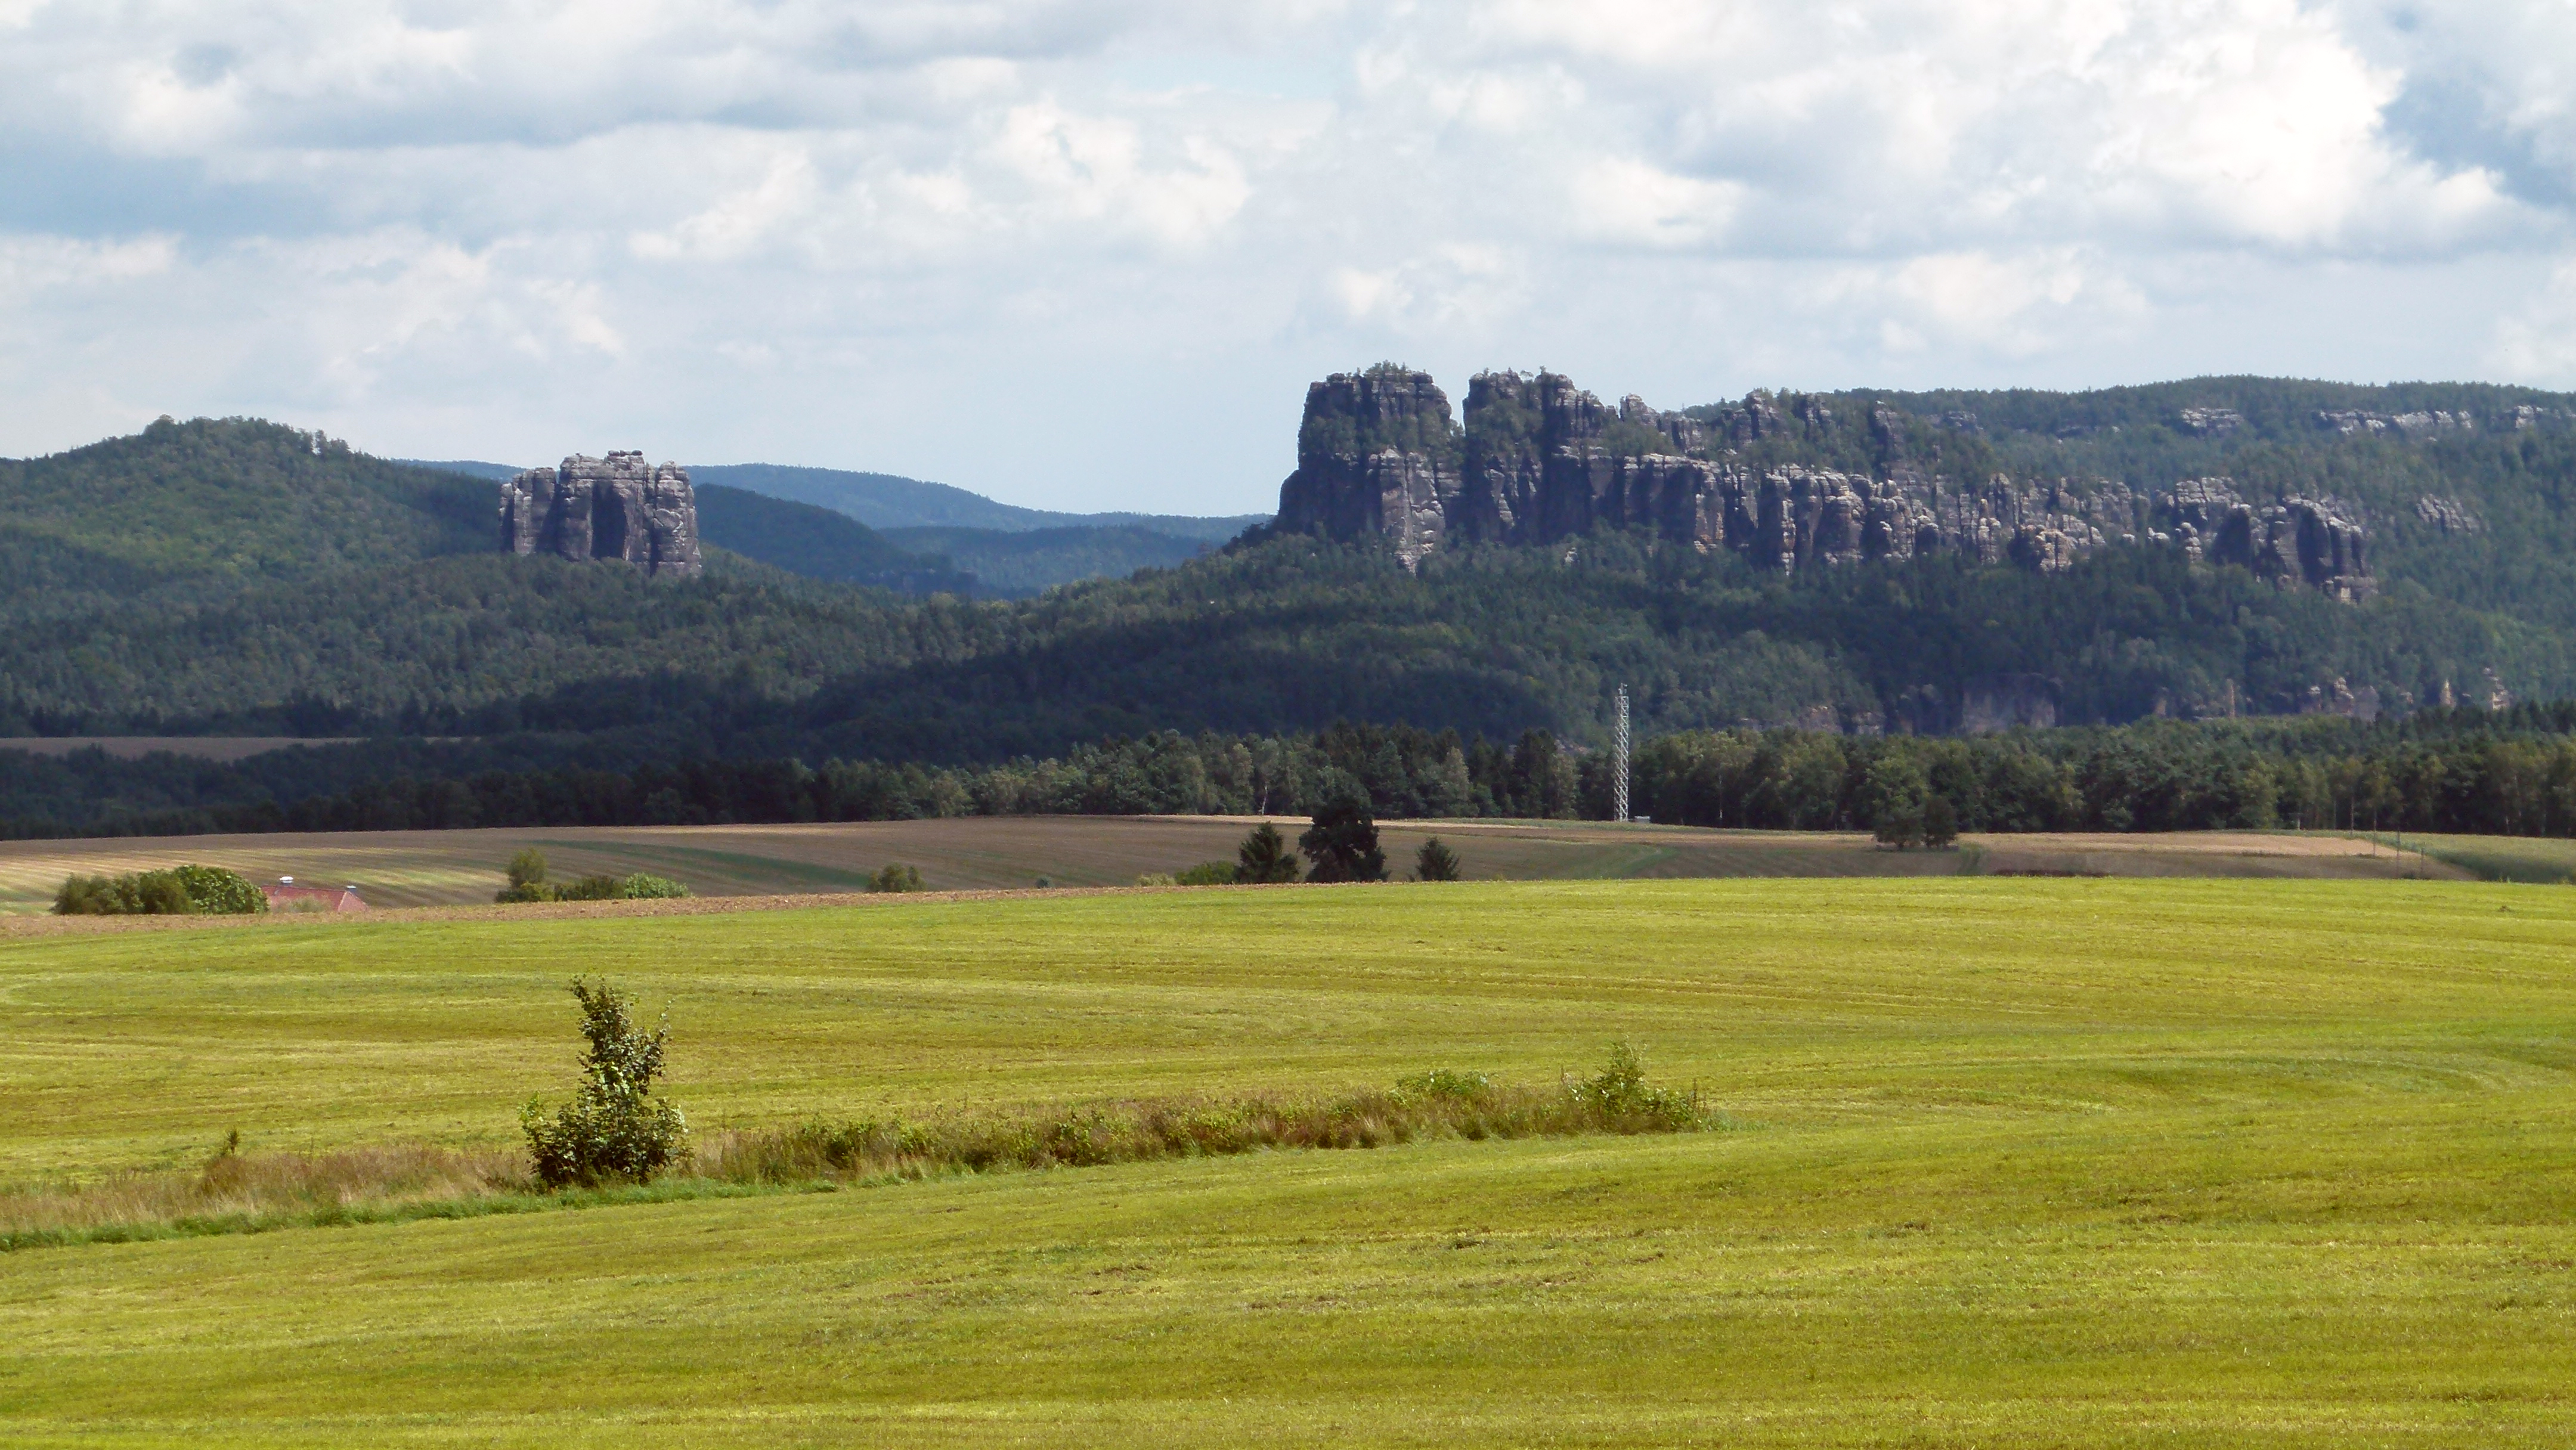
1619,760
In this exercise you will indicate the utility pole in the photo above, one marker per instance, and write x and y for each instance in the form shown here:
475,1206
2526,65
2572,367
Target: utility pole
1619,786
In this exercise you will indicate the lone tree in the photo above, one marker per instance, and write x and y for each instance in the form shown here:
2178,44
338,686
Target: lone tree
527,871
1893,794
1264,857
613,1129
1343,842
1435,862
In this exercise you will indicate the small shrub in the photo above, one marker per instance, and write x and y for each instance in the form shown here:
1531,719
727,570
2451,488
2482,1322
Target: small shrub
1620,1096
1435,862
220,892
895,877
613,1128
88,896
527,867
1157,878
1209,873
641,887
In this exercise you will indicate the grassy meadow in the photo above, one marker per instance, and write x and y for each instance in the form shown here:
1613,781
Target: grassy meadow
2011,1162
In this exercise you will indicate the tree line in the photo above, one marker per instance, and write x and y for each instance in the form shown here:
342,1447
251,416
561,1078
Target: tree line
2467,771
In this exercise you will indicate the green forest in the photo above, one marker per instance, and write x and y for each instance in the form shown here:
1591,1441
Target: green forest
239,577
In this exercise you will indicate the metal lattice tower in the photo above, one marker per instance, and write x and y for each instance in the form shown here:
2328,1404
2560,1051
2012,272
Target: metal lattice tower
1619,759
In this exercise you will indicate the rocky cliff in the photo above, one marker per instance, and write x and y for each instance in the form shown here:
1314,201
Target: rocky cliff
618,507
1536,460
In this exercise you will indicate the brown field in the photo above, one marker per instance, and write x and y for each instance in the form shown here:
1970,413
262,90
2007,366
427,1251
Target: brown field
437,868
224,749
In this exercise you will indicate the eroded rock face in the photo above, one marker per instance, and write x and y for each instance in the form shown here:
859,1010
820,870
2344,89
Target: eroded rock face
618,507
1540,461
2318,542
1376,456
2448,514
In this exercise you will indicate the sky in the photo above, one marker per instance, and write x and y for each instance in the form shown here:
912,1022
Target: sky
1086,254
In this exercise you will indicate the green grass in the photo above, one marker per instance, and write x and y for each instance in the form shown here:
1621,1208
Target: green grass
2021,1162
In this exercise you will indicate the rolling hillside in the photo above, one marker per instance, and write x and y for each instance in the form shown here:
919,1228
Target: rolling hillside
294,586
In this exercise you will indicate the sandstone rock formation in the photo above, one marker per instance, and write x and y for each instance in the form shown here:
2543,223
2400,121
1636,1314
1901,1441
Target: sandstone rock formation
618,507
2313,541
1539,461
2448,514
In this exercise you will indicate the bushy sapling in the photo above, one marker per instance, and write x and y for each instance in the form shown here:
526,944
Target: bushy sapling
1435,862
613,1129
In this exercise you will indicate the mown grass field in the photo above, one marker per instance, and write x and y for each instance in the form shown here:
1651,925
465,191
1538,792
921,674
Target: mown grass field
434,868
2021,1162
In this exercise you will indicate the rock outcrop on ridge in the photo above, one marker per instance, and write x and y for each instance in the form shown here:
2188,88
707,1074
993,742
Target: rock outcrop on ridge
1537,460
618,507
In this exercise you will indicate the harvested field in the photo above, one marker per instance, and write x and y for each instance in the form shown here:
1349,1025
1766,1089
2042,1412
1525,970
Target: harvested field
223,749
2500,858
437,868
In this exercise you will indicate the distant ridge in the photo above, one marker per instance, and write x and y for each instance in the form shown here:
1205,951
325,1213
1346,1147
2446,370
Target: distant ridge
885,501
889,501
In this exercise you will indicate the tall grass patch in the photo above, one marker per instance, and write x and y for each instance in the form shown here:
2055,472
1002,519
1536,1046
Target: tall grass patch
237,1192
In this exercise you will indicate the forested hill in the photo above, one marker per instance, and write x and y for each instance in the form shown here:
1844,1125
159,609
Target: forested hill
217,504
240,577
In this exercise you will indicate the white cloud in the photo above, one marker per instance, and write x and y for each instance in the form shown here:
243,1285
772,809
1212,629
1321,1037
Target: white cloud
1627,200
739,222
32,264
2017,305
482,226
2535,342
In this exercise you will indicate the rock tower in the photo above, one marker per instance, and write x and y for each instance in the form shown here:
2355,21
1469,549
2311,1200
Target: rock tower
618,507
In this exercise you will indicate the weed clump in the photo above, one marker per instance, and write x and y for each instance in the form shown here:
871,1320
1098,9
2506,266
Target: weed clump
896,877
613,1129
